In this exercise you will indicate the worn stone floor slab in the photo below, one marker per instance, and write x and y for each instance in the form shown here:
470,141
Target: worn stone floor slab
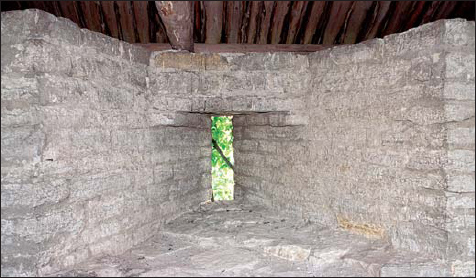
232,239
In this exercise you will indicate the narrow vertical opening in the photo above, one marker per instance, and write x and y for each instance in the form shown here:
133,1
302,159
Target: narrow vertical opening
222,158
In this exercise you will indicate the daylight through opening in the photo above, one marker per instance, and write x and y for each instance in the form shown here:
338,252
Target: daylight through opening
222,158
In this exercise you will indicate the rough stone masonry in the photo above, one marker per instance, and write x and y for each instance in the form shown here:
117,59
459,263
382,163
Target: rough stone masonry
104,142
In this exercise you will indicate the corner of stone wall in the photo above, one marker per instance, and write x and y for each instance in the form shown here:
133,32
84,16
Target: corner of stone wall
90,162
459,167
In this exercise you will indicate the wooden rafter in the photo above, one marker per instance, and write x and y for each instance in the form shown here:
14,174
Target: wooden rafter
297,13
213,21
315,16
356,20
253,22
340,12
109,17
401,13
177,17
69,10
234,17
126,21
141,20
92,16
380,14
265,21
281,10
249,22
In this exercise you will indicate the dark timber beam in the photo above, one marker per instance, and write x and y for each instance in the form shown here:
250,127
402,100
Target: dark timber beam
314,18
282,9
91,15
446,9
267,12
69,10
297,13
356,20
254,13
340,12
401,14
435,5
233,21
126,21
213,21
380,14
109,17
242,48
177,17
142,20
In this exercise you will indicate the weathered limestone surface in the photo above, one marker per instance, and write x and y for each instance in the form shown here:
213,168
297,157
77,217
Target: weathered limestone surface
386,145
90,164
103,142
233,239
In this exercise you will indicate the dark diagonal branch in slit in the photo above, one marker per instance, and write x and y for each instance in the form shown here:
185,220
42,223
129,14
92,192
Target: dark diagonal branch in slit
215,145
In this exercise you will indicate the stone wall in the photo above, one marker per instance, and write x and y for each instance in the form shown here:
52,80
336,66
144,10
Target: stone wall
381,114
102,142
388,150
90,163
459,95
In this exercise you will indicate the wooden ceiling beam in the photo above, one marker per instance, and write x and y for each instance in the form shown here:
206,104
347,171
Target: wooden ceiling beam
340,11
199,21
280,12
431,11
126,20
465,10
402,11
213,21
177,17
416,13
142,20
109,17
234,18
68,10
253,22
266,14
297,13
445,10
53,7
91,14
317,11
380,14
160,34
242,48
356,21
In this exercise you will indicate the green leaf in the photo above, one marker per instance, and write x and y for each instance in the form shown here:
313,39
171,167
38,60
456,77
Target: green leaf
222,174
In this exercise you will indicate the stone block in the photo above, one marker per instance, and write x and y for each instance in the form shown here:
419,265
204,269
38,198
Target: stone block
459,110
35,194
459,32
461,137
460,182
463,269
460,160
279,61
289,252
415,39
457,90
415,270
460,66
460,200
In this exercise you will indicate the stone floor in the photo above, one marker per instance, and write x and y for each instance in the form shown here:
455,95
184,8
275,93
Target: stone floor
231,239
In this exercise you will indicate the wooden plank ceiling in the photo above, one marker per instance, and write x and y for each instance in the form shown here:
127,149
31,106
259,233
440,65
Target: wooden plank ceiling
249,22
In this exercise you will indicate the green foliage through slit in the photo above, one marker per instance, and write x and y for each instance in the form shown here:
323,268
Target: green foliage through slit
222,173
